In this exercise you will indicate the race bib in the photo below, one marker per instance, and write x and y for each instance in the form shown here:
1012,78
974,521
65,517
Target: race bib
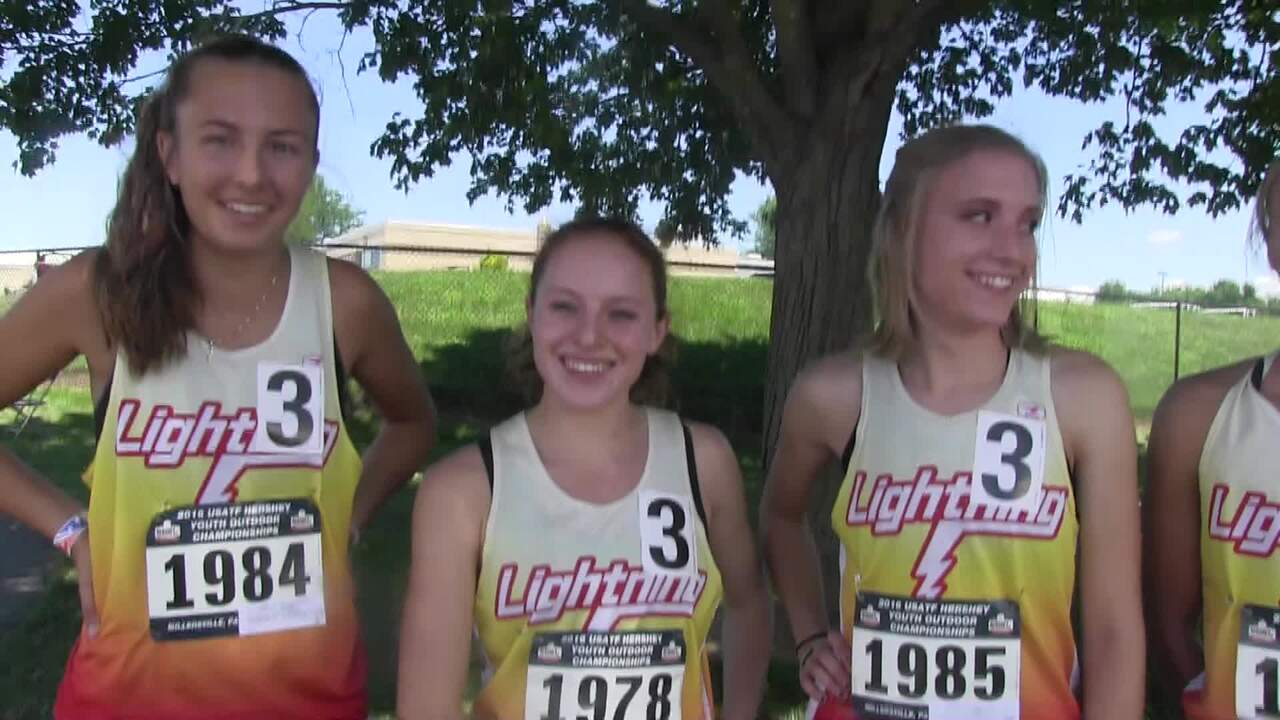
235,569
290,409
632,675
1258,663
935,659
1008,461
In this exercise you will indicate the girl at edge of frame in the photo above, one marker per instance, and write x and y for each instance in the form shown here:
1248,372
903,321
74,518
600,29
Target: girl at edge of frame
197,322
1212,520
592,519
953,386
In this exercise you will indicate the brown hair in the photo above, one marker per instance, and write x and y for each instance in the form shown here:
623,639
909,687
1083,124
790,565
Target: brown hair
143,280
1260,229
653,387
897,227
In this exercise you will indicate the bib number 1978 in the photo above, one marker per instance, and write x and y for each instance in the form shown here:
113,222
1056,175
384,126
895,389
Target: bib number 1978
632,675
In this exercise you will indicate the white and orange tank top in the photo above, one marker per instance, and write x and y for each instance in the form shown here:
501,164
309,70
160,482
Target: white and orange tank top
220,497
1239,560
958,553
599,610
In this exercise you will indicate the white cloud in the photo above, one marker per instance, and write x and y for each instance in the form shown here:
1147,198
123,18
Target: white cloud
1164,236
1267,285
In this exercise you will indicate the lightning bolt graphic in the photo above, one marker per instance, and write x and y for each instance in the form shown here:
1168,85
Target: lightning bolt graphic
220,484
937,556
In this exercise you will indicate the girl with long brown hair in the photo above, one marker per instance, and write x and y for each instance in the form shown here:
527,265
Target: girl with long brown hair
214,574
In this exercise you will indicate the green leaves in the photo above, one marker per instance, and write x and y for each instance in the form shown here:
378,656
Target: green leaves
323,214
592,104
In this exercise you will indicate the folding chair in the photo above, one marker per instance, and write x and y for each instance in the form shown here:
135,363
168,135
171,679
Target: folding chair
25,407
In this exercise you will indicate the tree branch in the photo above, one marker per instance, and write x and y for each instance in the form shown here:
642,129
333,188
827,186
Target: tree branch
797,55
733,74
281,8
841,23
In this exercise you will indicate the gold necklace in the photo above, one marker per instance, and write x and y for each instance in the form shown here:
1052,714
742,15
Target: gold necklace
244,323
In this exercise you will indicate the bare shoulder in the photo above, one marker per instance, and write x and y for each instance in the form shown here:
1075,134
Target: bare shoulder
831,384
63,306
1091,401
1079,371
1186,411
1205,389
72,281
363,317
712,450
351,286
825,400
457,486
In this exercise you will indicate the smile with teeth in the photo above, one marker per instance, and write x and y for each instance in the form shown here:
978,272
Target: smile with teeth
586,366
245,208
996,282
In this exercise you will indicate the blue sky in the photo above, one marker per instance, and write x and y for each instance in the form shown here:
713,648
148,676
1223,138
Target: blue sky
66,204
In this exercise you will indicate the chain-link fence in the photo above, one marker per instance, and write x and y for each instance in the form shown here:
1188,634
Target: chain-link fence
1151,342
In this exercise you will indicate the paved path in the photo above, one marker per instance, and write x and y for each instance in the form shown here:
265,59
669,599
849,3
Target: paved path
25,558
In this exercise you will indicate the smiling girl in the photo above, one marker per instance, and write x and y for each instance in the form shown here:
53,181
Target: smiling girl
588,539
224,486
980,470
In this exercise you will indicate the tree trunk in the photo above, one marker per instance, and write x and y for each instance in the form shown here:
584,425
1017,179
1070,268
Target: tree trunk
821,299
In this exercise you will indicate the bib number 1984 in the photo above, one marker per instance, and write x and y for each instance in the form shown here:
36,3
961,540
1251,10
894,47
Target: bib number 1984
235,569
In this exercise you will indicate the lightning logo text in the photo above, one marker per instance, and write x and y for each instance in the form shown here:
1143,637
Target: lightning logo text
167,438
948,506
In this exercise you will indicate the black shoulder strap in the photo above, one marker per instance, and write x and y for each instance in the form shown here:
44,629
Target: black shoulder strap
340,375
100,407
486,454
1256,378
846,457
692,462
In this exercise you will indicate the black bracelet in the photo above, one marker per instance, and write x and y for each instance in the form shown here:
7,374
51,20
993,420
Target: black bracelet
804,658
811,638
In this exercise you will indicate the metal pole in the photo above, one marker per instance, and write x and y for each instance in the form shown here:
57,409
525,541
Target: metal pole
1177,337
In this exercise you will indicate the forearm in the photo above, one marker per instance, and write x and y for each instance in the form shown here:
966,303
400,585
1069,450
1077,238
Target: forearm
399,450
1115,673
431,677
745,647
792,558
31,499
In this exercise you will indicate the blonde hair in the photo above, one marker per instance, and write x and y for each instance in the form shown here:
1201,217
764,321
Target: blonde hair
1260,229
895,235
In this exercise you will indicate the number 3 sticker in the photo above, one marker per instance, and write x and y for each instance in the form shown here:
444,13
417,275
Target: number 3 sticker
290,409
667,541
1008,460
